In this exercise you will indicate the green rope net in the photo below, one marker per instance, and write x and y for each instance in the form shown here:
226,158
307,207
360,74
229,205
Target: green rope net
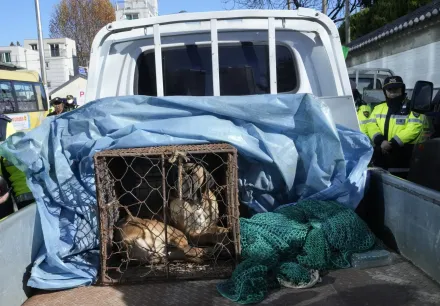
290,247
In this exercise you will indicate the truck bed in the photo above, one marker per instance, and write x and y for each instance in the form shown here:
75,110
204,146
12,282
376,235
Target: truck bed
398,284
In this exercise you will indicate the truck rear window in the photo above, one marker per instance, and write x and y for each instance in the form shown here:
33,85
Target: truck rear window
244,70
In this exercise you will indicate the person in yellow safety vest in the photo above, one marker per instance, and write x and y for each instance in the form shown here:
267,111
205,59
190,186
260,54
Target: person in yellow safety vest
363,110
12,176
393,127
363,114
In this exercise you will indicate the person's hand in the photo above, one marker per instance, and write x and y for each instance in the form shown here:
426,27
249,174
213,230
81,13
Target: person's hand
386,146
4,198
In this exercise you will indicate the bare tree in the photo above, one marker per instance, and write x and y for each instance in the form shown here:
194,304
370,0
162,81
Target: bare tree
335,8
80,20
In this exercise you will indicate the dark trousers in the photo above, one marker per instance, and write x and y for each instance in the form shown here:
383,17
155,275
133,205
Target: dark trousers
397,158
7,208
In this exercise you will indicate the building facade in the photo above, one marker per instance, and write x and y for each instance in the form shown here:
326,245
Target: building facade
136,9
21,57
60,58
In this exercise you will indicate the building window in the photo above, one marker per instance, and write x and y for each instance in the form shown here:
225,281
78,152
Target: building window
5,57
131,16
34,47
54,50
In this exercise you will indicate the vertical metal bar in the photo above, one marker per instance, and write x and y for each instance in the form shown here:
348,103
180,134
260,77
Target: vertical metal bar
375,78
347,22
232,204
324,6
272,56
215,62
158,58
40,43
237,203
165,210
357,78
179,182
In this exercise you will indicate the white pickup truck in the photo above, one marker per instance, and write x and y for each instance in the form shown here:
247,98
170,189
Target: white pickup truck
243,53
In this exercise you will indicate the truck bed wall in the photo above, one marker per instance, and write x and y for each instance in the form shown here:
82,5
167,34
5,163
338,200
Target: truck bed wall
406,217
20,240
403,214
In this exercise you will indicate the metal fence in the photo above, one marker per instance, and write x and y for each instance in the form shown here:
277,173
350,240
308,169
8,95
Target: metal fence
168,212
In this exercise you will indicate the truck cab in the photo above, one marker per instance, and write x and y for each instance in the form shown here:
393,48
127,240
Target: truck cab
369,78
244,53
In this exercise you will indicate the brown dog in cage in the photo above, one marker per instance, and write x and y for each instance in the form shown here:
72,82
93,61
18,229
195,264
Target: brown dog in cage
197,212
144,240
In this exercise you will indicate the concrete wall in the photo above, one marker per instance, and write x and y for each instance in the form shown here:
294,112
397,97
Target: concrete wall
414,54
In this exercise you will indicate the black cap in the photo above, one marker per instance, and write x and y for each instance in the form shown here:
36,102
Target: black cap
393,82
56,100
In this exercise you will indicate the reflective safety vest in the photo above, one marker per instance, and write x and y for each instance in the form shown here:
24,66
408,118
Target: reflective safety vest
363,115
405,127
16,177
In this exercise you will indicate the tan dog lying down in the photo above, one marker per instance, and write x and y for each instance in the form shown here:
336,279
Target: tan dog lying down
144,240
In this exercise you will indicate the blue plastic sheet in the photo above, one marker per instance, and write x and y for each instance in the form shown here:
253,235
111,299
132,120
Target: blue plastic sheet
289,150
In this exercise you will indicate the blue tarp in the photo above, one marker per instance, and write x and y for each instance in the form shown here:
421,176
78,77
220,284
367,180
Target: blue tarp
289,150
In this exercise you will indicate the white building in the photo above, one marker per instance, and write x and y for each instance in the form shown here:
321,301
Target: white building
135,9
60,57
19,56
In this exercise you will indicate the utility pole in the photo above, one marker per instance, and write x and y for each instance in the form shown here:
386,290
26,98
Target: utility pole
324,6
288,4
40,43
347,21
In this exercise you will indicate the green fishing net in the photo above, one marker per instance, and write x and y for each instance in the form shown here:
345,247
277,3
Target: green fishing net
286,245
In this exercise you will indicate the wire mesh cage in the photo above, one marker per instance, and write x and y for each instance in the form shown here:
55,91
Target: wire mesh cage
168,212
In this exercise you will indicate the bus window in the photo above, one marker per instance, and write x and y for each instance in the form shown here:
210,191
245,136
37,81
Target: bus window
7,101
41,97
26,99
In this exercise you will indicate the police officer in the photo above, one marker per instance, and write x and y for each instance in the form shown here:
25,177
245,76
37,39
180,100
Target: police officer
393,128
11,176
58,107
363,110
70,103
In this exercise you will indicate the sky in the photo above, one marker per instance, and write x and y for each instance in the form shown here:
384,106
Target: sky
18,21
